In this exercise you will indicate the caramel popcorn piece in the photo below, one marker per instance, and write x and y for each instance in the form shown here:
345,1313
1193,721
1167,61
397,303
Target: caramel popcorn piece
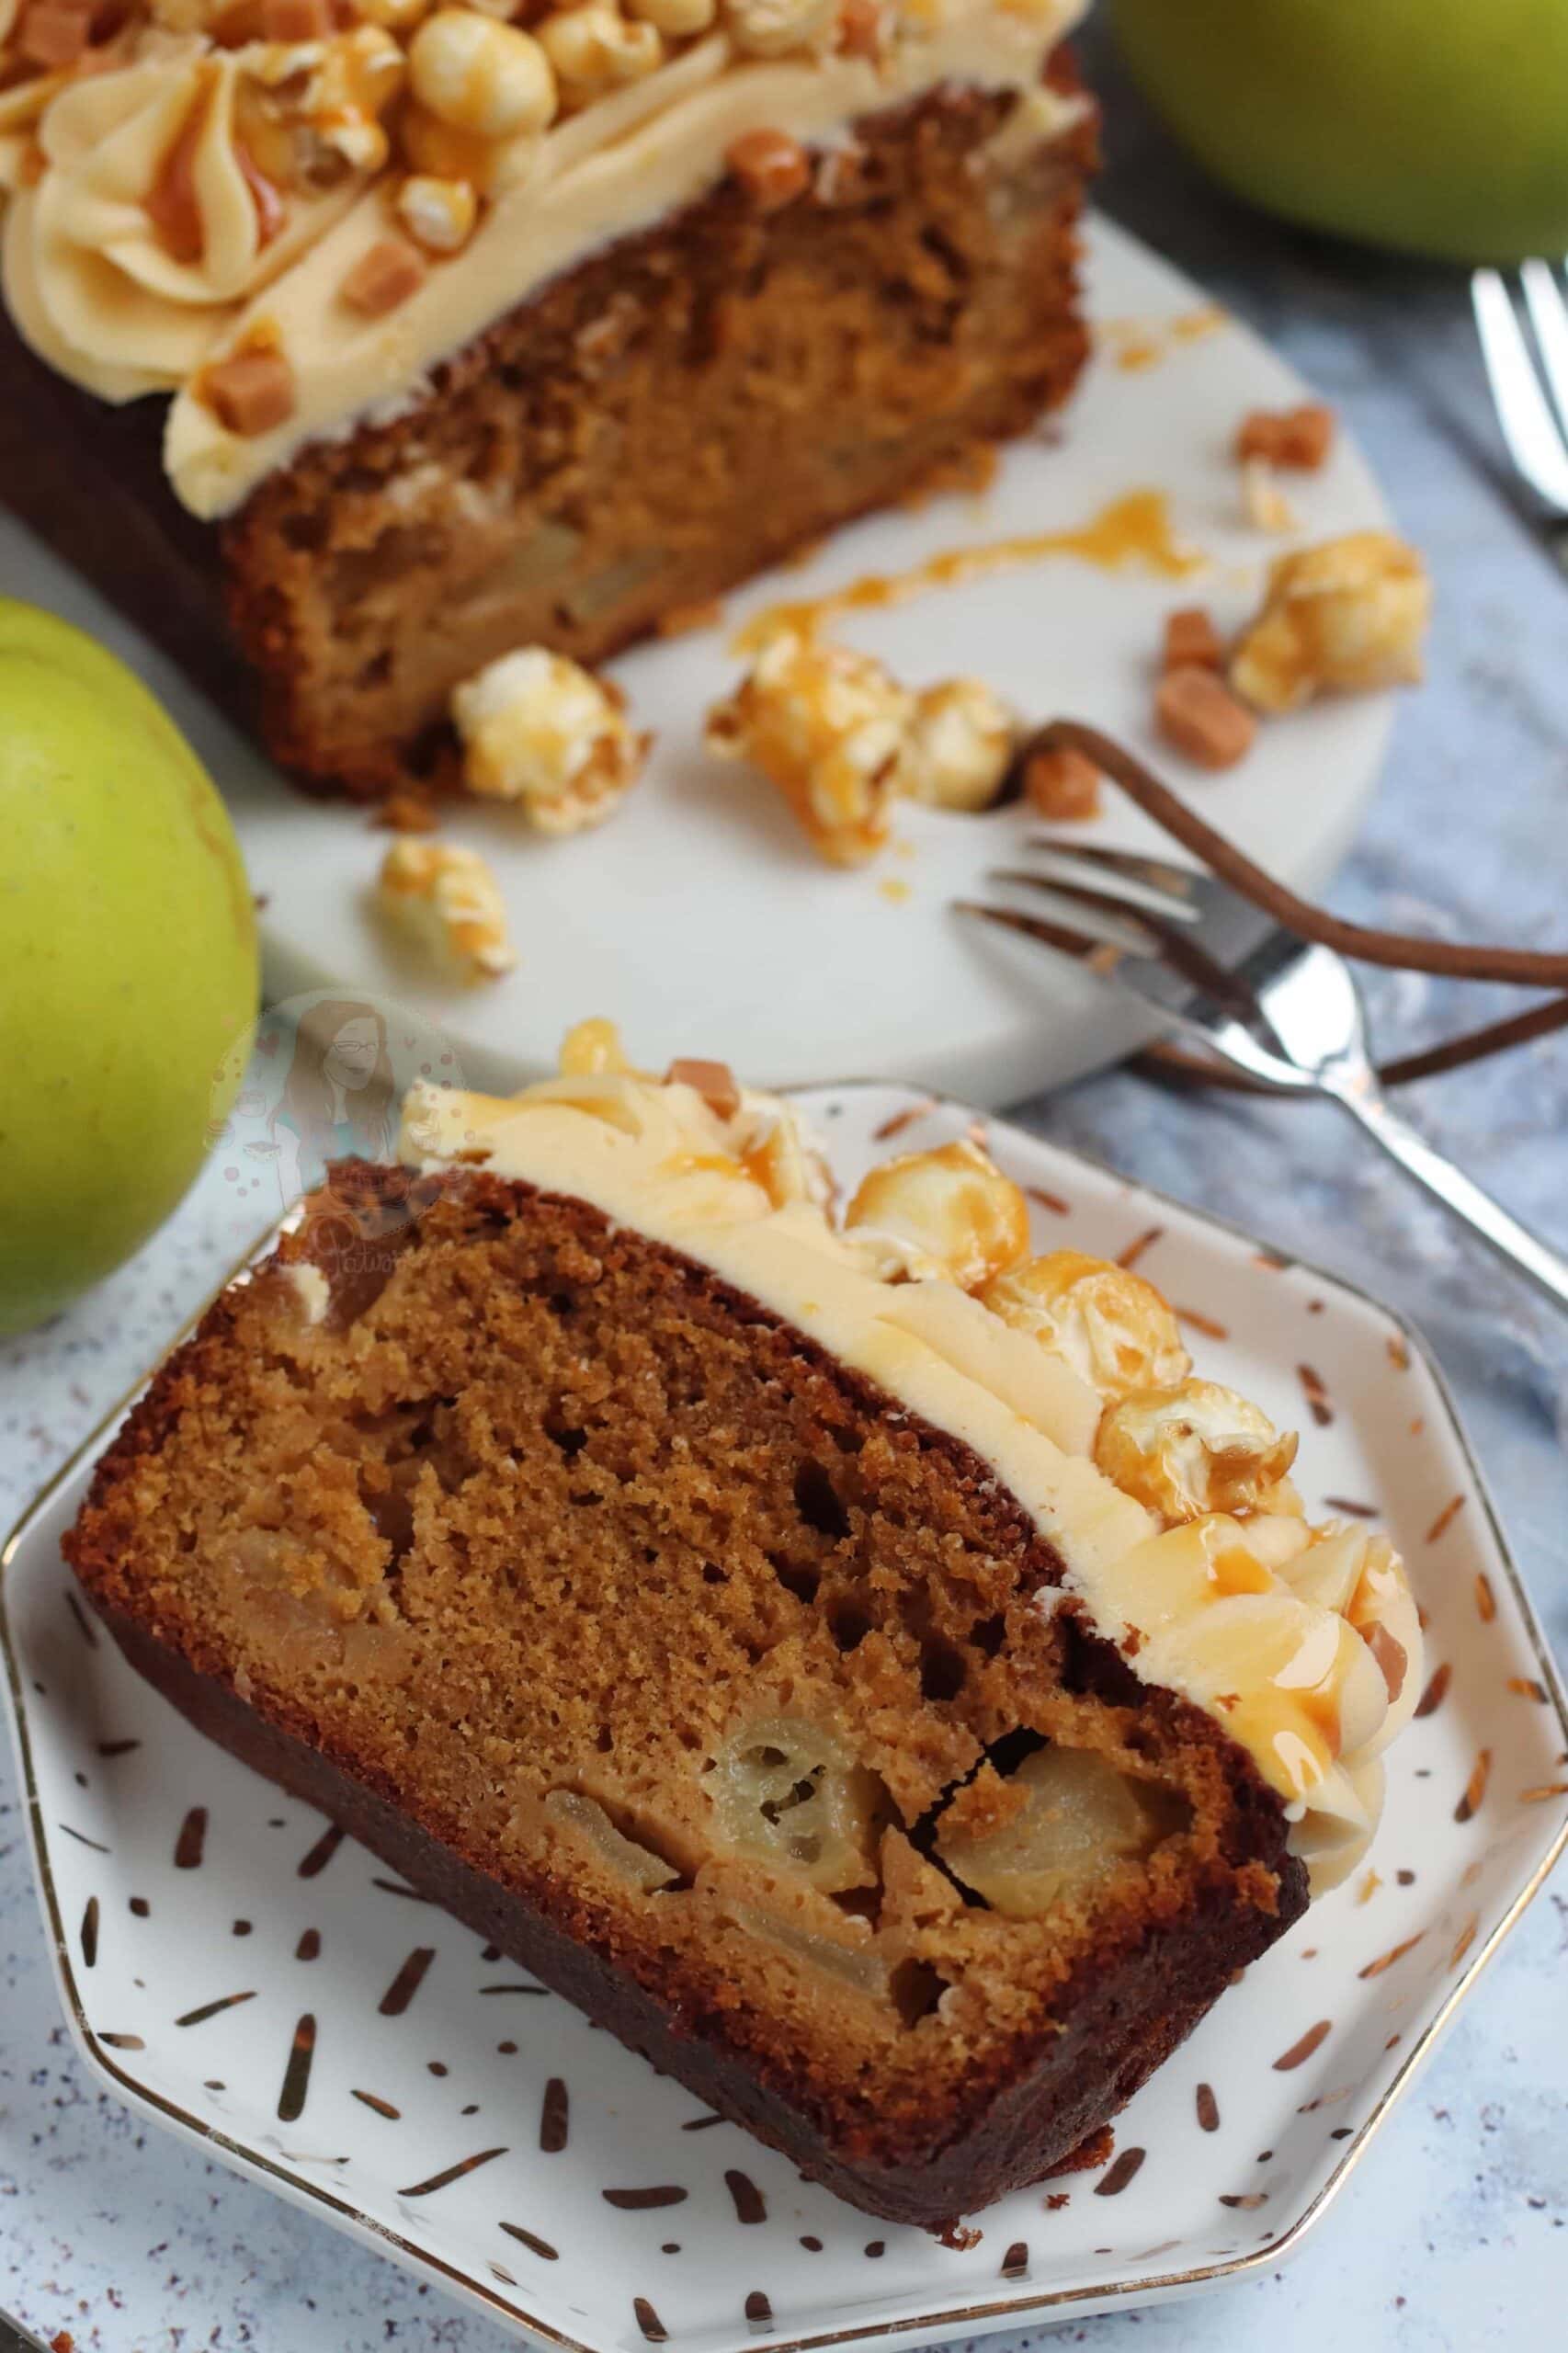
715,1082
540,730
594,48
383,277
826,725
1191,641
958,747
1346,616
1062,784
449,899
1113,1328
55,33
1198,716
438,214
949,1213
480,77
1192,1449
1300,439
251,393
772,167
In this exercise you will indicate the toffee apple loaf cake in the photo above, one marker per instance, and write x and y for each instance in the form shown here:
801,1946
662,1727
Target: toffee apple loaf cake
857,1661
511,323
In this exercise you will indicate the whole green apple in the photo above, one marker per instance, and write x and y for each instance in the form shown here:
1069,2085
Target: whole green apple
1438,126
128,963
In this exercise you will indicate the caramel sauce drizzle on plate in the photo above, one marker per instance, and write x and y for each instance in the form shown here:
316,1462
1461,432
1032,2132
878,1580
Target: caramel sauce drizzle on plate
1133,532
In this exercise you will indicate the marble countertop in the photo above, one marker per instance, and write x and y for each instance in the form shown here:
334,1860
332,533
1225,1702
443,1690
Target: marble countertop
1455,2231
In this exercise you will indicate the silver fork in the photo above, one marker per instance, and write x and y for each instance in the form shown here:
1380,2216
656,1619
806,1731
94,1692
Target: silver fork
1277,1006
1530,398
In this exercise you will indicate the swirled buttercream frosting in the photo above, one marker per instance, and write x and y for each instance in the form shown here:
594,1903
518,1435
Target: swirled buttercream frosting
1166,1499
285,212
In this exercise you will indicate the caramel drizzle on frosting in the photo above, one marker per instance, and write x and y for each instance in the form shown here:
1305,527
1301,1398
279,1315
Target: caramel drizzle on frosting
172,203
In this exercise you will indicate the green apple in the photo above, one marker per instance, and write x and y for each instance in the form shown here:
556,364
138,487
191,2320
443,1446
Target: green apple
128,963
1438,126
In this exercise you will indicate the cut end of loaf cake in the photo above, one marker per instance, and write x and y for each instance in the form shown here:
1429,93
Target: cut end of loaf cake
668,418
725,1681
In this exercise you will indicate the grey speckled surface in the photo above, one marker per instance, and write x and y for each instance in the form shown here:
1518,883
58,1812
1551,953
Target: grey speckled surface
1455,2233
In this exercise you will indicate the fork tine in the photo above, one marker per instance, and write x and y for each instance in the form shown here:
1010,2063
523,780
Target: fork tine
1129,882
1160,942
1536,446
1159,873
1096,955
1145,919
1549,316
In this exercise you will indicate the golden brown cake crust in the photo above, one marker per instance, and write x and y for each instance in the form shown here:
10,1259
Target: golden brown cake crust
304,1534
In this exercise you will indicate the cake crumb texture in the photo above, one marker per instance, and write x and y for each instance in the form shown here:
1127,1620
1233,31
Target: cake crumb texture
657,1645
671,416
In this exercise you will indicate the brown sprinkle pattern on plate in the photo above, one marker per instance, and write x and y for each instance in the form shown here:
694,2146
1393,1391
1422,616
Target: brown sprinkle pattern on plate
1464,1940
1445,1518
901,1119
750,2204
1204,1323
1115,2181
1302,2049
1436,1691
444,2179
1474,1795
1386,1961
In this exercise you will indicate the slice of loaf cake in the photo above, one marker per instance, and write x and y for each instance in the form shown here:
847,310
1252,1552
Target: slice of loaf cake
854,1661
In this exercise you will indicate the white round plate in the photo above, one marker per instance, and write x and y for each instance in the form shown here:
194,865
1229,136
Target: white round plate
701,920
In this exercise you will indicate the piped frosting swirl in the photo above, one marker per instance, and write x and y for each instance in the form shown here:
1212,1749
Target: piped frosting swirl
1304,1643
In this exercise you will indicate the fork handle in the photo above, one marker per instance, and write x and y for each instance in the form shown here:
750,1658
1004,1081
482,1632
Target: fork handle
1546,1267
